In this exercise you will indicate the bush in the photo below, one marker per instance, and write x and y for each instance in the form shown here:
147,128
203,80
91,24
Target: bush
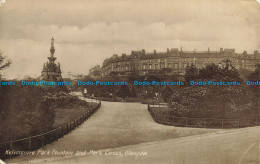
214,102
30,110
24,111
63,99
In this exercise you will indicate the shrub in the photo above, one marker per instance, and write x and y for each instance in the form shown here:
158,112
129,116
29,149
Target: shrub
24,111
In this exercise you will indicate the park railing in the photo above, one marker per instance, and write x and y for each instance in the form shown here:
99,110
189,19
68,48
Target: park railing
201,122
34,142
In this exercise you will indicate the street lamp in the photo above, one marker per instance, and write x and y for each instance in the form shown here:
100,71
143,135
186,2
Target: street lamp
85,92
158,97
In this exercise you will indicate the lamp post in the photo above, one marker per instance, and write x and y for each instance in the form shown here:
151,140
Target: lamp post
157,97
85,92
93,96
111,96
146,91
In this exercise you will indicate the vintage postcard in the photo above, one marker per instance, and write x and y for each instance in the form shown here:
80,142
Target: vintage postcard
129,81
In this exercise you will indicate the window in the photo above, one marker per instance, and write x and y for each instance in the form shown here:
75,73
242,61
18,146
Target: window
143,66
156,66
169,65
176,66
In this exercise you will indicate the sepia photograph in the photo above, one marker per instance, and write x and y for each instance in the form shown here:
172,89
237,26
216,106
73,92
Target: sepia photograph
129,81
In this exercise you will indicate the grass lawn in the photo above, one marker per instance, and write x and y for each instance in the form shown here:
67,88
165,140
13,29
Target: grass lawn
161,110
66,115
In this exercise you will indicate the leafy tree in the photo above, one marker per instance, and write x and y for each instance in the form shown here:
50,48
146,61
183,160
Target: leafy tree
166,71
210,72
214,101
225,72
191,73
167,93
244,73
25,111
133,92
255,76
124,91
97,73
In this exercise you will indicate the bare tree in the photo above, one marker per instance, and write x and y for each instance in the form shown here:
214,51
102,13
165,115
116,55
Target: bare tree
4,62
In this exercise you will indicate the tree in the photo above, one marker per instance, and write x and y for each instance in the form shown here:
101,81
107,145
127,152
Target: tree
133,92
191,73
165,71
124,91
3,62
225,71
211,71
214,101
167,93
255,76
25,111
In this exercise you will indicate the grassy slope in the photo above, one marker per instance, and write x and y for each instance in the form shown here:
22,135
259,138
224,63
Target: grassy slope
66,115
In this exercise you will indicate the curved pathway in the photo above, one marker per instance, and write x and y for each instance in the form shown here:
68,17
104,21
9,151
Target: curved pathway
116,124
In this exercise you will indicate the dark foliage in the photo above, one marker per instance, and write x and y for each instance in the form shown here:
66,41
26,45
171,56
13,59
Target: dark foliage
124,91
24,111
191,73
214,101
167,93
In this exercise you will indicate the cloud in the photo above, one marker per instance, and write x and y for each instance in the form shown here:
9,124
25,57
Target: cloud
87,32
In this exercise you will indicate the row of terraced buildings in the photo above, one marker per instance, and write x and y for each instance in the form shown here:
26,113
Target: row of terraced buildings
175,60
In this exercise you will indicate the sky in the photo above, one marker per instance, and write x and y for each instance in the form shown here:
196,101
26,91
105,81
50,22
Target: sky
88,31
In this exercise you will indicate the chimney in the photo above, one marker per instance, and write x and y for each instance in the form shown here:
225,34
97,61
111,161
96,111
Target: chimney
154,51
256,54
143,51
221,50
168,50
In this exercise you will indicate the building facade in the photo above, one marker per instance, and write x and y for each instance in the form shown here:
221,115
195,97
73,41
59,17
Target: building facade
51,70
176,60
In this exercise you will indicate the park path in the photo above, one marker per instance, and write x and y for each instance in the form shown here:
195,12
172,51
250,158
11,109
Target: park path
239,146
115,124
